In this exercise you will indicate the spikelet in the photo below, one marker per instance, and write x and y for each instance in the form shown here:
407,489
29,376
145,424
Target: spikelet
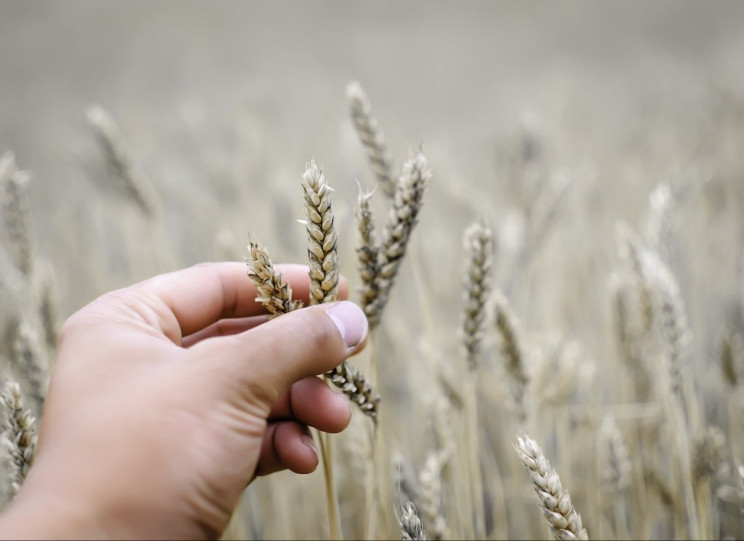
19,434
562,518
371,137
321,234
478,241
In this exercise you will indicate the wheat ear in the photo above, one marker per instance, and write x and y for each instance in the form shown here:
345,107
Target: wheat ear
16,212
506,325
478,242
323,257
30,359
321,235
402,218
371,137
411,527
119,161
562,518
273,291
19,434
367,248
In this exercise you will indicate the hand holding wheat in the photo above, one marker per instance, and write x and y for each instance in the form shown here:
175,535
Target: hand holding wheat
170,396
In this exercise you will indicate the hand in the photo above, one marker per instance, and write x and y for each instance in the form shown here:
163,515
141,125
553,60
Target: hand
167,399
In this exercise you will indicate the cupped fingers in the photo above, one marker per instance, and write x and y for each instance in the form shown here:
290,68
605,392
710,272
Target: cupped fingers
224,327
312,402
287,445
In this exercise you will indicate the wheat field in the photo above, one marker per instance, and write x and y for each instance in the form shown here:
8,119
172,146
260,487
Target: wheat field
549,201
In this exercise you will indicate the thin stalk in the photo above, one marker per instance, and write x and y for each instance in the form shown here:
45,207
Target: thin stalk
334,517
476,480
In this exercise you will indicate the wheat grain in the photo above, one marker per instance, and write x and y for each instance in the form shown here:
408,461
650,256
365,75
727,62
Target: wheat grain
478,242
371,137
562,518
321,234
19,434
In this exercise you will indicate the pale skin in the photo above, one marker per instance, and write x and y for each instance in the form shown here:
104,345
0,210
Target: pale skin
170,396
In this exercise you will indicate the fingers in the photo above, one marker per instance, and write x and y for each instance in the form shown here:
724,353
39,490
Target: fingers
311,402
269,358
224,327
287,445
202,295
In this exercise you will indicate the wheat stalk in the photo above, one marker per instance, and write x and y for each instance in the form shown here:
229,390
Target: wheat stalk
402,218
371,137
562,518
19,434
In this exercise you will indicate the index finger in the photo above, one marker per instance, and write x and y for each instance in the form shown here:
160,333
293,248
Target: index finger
208,292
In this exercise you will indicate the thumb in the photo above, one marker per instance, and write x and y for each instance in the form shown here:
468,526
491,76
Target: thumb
306,342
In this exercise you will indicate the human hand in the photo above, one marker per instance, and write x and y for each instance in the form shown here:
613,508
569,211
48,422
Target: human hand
168,397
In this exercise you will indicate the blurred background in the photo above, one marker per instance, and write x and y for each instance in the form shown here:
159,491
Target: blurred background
219,104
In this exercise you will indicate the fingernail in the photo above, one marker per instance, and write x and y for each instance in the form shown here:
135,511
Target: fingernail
308,440
350,321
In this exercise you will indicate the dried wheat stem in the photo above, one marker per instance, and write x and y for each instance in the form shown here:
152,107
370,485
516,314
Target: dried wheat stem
322,236
411,526
478,241
16,212
119,161
371,137
19,434
402,218
562,518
